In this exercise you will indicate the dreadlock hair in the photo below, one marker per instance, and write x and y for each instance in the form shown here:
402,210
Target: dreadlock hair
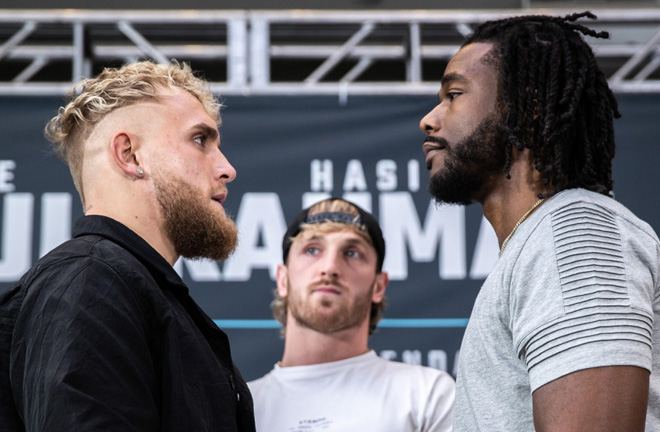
555,98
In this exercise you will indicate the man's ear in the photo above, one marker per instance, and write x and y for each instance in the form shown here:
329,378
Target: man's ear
123,147
380,284
282,278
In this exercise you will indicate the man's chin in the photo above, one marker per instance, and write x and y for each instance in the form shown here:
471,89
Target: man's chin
219,209
443,195
216,243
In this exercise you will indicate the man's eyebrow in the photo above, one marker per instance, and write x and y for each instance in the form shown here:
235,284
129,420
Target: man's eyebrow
310,238
209,131
358,241
454,77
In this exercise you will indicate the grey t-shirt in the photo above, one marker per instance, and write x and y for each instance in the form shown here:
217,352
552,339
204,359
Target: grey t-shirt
575,288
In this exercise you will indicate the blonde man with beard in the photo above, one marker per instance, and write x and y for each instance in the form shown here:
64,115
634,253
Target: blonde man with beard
102,334
330,297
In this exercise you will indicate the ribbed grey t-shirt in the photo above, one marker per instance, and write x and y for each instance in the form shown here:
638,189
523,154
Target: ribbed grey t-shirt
575,288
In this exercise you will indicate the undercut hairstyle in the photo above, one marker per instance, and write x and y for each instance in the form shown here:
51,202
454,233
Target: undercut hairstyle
279,305
554,99
93,98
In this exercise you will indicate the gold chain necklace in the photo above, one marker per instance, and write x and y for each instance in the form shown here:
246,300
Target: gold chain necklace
522,219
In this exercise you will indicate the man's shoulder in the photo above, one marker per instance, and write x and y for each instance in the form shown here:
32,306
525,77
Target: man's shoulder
411,371
401,375
260,385
573,214
85,252
81,263
259,381
597,206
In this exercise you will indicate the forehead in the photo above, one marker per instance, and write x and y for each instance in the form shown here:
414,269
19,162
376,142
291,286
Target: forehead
332,232
176,108
472,64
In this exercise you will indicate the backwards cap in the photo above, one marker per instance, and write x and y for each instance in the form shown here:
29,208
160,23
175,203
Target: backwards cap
364,221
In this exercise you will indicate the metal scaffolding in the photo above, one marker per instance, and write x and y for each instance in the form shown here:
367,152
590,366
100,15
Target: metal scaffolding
293,52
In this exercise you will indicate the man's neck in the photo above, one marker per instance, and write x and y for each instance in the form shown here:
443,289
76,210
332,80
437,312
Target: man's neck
506,211
512,200
304,347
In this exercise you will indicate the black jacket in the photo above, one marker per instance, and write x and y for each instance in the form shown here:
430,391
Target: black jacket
102,334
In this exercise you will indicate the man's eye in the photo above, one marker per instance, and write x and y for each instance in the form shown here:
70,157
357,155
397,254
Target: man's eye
353,254
311,250
452,95
201,139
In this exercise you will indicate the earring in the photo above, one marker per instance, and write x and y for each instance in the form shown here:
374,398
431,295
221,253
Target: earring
139,171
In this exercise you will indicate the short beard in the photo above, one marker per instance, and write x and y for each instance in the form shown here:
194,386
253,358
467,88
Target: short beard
470,164
330,321
194,227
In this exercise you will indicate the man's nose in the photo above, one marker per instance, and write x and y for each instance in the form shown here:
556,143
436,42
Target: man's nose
330,264
223,170
430,123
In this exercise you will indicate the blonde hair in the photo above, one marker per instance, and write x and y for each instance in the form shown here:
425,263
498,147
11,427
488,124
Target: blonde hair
332,206
93,98
279,304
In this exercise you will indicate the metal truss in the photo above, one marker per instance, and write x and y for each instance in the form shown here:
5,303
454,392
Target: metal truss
294,52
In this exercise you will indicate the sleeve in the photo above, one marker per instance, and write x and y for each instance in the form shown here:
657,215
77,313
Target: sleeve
81,358
439,413
582,296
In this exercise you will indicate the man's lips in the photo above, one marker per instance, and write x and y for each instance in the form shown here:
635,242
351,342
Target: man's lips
431,146
433,143
326,289
219,198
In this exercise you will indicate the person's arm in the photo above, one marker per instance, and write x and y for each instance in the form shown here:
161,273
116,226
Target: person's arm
583,320
81,357
604,399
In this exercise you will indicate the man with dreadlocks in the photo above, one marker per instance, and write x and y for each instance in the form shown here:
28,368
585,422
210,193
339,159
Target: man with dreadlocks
561,336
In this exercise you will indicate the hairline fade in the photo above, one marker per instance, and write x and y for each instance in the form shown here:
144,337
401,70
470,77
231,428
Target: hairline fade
91,99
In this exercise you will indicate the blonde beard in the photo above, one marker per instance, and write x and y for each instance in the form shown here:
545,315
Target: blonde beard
349,316
193,226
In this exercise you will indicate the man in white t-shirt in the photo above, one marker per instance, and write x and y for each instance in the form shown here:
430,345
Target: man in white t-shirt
330,297
564,334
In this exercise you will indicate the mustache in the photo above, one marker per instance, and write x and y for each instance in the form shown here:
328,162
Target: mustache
328,282
437,140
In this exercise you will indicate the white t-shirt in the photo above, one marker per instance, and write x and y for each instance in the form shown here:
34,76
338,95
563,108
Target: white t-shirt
363,393
576,288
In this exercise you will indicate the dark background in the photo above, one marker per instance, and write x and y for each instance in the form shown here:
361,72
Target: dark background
271,142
